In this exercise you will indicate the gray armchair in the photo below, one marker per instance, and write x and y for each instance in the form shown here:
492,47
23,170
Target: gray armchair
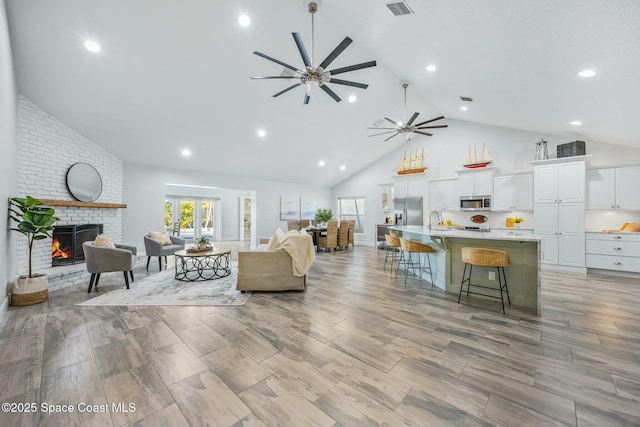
154,248
104,260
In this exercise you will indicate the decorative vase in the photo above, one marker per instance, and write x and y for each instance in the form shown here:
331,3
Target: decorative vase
517,225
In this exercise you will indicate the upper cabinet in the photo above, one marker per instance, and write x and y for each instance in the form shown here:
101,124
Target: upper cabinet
443,195
559,182
613,188
408,185
513,192
475,183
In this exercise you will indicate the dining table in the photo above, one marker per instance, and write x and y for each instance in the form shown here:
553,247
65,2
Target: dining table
316,232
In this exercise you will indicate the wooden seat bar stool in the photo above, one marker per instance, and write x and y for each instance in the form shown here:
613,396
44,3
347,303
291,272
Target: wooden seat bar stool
485,258
392,249
410,247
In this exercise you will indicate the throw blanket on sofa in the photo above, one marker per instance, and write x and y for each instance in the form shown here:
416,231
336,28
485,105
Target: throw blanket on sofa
300,249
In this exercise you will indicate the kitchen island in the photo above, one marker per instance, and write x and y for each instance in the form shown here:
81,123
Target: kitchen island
523,273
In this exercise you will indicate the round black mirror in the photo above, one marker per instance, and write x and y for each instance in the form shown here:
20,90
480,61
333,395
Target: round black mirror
84,182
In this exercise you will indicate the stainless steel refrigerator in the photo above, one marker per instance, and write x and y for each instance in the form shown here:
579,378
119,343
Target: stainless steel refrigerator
408,210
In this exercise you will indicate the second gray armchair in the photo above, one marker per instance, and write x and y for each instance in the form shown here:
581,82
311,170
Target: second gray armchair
155,248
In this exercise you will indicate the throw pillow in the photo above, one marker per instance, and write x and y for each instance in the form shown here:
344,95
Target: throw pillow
274,241
104,241
161,237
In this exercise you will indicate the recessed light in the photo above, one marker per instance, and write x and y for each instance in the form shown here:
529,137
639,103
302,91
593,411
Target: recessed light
431,68
343,167
244,20
92,46
576,123
587,73
321,163
262,133
186,153
464,108
352,98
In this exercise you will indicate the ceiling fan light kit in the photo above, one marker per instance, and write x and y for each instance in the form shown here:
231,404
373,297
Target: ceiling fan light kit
315,78
407,127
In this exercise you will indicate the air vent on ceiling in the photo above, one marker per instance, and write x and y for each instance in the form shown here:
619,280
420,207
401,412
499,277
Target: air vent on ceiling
466,99
399,8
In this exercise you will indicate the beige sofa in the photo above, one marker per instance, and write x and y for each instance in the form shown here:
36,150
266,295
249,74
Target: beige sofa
264,270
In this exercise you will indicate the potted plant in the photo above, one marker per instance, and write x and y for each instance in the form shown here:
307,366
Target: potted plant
35,220
323,215
202,243
518,220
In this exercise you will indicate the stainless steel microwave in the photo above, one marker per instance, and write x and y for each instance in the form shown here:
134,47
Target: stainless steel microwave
475,203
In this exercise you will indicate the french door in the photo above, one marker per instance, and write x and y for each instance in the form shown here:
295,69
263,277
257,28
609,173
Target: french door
192,218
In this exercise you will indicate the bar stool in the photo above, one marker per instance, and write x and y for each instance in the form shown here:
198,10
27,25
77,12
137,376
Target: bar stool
485,258
410,247
393,249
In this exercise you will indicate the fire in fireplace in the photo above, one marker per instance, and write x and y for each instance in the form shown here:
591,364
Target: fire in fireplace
66,247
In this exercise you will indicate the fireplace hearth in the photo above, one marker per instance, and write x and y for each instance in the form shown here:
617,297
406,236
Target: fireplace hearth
66,247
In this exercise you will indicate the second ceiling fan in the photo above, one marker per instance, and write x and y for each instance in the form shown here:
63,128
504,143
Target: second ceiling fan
407,127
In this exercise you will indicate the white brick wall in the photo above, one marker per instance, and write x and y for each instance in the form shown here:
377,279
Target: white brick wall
47,148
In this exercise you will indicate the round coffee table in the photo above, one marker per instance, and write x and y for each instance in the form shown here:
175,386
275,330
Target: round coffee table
207,265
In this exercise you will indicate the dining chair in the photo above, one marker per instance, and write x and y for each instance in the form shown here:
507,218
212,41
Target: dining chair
329,239
343,235
293,225
352,230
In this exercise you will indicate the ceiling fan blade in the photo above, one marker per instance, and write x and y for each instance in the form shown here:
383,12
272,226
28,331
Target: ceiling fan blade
284,64
353,67
433,127
348,83
382,133
429,121
422,133
389,120
301,49
415,116
306,99
330,92
398,133
287,89
276,77
337,51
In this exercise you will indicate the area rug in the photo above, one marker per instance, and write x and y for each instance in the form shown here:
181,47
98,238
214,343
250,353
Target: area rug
162,289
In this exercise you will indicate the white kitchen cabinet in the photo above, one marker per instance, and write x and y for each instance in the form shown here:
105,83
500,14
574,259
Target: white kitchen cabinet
559,182
513,192
408,185
559,211
613,251
613,188
443,195
561,226
475,183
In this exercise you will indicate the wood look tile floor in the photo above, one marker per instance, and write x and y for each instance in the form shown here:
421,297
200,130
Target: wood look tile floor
358,348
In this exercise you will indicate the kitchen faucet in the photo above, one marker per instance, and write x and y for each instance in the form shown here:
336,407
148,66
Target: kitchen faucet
430,215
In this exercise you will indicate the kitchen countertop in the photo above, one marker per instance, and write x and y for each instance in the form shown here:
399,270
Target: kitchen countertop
466,234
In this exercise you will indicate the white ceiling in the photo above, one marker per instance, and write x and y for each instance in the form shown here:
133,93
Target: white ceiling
176,74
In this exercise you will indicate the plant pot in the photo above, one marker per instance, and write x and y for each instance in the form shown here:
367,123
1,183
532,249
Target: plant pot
30,290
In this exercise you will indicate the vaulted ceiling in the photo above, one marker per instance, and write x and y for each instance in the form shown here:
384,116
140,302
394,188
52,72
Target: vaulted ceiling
174,75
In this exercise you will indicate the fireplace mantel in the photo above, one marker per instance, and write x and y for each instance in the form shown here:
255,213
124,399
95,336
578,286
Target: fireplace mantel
78,204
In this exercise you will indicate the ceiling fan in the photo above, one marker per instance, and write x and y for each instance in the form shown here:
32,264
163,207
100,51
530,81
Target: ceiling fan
315,77
407,127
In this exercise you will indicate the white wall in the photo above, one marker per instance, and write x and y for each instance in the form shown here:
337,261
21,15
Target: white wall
9,149
444,152
144,194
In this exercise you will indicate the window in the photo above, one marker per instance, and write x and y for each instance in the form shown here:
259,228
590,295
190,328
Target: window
352,208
